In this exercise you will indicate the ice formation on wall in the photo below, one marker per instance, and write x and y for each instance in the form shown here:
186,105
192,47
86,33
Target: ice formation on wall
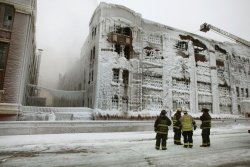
131,65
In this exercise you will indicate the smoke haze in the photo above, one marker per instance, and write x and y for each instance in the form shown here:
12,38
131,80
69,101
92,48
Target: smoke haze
62,25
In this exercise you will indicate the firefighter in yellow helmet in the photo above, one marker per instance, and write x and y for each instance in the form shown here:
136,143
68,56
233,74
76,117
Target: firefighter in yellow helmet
161,129
177,127
187,124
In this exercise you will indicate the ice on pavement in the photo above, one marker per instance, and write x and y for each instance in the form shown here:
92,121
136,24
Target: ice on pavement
230,147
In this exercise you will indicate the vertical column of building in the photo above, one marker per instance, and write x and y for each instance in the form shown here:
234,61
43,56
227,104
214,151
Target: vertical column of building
120,90
214,83
193,79
97,26
167,78
231,84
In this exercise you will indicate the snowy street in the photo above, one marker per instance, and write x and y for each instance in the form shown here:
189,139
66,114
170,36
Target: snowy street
230,146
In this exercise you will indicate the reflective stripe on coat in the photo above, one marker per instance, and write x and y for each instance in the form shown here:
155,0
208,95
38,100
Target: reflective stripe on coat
187,122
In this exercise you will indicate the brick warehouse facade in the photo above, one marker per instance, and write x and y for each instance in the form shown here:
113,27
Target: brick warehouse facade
133,65
19,62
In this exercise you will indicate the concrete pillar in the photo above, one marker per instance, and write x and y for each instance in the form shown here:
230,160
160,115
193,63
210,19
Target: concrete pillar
214,83
193,79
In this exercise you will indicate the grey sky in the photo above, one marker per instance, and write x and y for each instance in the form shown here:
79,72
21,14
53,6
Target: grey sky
62,25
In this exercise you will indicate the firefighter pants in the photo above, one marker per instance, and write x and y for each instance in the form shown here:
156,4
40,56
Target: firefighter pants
188,138
177,136
161,139
205,137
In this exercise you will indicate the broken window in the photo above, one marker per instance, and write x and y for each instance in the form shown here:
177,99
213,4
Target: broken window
122,37
125,31
181,45
116,75
115,102
219,49
198,45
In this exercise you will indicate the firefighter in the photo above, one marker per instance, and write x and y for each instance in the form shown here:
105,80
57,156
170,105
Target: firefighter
161,129
187,126
205,126
177,127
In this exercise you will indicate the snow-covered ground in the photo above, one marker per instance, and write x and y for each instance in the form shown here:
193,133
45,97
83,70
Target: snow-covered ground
230,146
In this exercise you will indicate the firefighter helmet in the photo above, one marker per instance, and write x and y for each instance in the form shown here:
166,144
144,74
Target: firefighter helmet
184,110
204,110
163,112
178,110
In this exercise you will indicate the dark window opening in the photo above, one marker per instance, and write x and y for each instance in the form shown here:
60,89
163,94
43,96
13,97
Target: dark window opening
122,39
196,42
242,92
219,63
185,80
200,57
125,76
237,91
247,95
127,31
93,53
181,45
116,75
219,49
118,48
127,52
92,77
89,77
4,47
124,31
6,15
93,32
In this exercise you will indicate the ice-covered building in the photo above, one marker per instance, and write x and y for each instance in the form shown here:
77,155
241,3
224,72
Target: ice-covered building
19,62
132,65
